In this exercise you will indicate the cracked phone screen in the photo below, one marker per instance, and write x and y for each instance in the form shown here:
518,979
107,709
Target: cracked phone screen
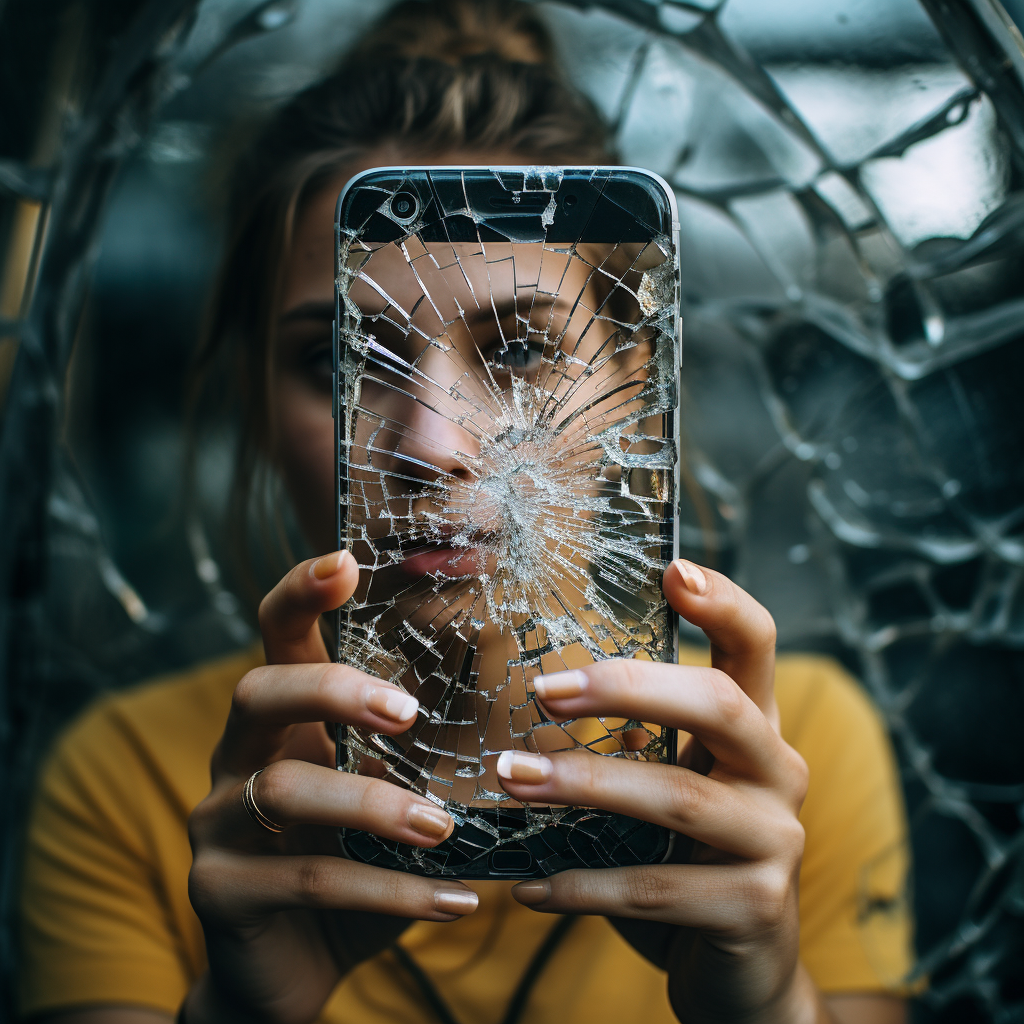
507,466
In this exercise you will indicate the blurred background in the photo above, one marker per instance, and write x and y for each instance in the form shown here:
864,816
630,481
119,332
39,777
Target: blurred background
849,176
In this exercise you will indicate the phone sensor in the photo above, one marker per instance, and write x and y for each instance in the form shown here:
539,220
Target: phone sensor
404,207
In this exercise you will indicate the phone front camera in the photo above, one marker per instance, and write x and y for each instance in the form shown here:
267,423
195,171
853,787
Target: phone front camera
404,206
569,201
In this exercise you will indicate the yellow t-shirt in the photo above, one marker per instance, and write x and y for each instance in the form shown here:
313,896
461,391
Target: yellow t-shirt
106,916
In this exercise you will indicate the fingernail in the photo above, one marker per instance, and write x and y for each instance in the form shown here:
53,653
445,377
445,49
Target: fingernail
393,704
431,822
518,766
325,567
559,685
456,901
693,579
532,893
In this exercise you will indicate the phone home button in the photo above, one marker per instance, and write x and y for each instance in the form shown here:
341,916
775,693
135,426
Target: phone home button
512,859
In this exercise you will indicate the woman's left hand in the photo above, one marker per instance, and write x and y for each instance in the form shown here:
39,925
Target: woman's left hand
723,919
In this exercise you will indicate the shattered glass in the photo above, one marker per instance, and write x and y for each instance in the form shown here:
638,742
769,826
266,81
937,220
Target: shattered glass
849,180
507,396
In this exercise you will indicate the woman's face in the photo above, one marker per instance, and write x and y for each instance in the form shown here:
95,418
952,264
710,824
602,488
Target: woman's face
469,323
299,385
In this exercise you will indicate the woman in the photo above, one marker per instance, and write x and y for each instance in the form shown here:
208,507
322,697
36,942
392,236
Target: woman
150,893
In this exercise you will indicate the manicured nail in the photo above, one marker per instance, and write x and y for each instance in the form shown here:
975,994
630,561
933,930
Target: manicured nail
518,766
559,685
456,901
532,893
393,704
693,579
324,568
431,822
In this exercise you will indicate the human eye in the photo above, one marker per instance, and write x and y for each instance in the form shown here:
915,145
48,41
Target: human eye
316,364
304,350
320,360
517,356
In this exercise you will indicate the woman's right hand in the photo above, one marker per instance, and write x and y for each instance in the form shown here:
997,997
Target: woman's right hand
285,917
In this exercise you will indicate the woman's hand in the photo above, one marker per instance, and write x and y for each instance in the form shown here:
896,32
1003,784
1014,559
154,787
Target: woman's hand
284,916
722,919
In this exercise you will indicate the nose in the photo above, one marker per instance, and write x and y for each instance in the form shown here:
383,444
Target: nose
431,444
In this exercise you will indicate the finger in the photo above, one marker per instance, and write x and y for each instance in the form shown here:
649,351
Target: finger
701,701
298,793
270,699
723,816
741,631
288,614
729,898
236,890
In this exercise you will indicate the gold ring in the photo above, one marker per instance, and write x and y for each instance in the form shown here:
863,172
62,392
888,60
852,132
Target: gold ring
254,812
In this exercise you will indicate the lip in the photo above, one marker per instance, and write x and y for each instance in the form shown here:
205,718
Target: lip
442,558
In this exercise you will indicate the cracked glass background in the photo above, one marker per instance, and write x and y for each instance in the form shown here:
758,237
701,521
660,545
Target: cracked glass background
851,206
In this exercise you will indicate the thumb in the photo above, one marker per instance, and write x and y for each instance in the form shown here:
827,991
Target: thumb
288,614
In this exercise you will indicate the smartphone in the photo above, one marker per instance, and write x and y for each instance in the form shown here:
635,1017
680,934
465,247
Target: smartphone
507,349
